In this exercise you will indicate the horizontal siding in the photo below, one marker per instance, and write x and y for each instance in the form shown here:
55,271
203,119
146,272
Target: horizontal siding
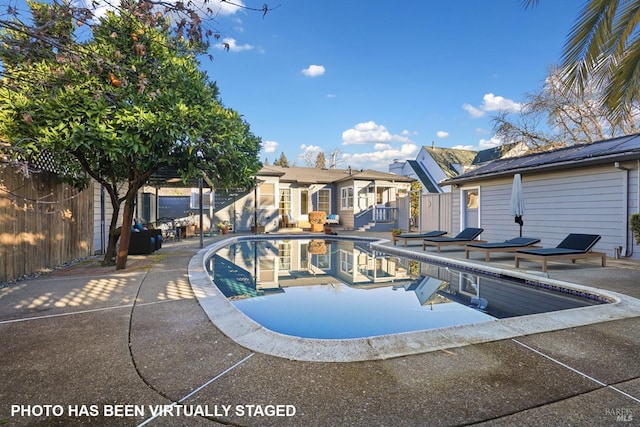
558,204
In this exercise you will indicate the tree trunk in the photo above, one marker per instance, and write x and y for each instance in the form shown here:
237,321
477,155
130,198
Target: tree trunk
125,232
112,247
114,231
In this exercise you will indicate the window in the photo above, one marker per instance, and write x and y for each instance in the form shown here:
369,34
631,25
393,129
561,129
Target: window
324,200
304,201
346,262
346,198
194,200
472,199
284,207
266,269
284,255
267,195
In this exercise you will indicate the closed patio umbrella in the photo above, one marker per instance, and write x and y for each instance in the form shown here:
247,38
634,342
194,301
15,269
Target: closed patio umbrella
517,200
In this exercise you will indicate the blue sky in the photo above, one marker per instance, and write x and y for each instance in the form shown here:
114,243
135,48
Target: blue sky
378,80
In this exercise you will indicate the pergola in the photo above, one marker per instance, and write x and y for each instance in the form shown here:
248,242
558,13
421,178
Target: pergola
170,177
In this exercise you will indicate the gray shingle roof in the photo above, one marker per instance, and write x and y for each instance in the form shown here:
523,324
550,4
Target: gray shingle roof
327,176
579,155
446,158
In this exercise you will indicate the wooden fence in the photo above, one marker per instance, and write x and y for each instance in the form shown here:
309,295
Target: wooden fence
43,223
435,212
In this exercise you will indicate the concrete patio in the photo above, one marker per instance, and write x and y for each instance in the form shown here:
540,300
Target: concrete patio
91,346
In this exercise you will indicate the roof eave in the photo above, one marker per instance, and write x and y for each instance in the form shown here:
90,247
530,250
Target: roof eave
572,164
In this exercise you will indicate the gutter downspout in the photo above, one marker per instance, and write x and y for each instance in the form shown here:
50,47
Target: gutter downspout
625,206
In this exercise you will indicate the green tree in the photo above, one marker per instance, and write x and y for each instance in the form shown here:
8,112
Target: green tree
414,201
603,50
118,107
282,161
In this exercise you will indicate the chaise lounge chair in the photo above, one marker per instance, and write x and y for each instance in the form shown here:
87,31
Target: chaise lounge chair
417,236
465,236
573,247
511,245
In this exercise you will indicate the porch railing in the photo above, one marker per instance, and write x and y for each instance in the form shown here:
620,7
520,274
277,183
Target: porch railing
376,215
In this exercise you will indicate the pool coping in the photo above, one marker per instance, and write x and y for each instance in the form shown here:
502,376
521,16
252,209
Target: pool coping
250,334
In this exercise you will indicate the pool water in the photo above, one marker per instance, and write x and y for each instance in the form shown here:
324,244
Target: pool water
337,289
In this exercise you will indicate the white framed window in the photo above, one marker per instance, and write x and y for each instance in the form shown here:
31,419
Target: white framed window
324,200
304,201
284,207
346,198
346,262
194,200
284,255
267,198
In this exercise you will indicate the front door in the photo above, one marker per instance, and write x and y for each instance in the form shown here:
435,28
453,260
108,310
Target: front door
470,208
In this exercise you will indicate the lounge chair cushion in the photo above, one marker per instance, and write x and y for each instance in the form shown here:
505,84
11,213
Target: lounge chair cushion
434,233
572,244
465,235
581,242
551,251
516,242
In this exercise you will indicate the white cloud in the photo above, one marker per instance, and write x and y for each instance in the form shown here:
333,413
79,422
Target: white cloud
314,70
370,133
489,143
204,8
381,147
473,111
465,147
233,45
498,103
380,159
442,134
225,8
491,103
310,148
269,146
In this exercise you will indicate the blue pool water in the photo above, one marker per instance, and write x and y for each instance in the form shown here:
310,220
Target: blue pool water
335,289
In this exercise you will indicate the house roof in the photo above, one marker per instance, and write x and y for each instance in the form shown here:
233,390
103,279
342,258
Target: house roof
327,176
580,155
499,152
446,158
424,177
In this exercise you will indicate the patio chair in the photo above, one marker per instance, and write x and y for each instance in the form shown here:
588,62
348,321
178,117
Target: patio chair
288,222
416,236
465,236
510,245
574,246
333,219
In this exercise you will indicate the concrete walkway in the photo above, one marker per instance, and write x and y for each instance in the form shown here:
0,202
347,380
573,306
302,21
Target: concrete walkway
86,345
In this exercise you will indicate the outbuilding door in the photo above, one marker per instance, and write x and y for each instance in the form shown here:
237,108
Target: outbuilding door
470,208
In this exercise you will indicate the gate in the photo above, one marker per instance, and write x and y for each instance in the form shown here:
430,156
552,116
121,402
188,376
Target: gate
435,212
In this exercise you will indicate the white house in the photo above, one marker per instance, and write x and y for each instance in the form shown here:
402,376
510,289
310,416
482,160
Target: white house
586,188
436,164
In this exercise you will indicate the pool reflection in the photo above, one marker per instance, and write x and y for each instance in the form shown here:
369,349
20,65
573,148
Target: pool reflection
343,289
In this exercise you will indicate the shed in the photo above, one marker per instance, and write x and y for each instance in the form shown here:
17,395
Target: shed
585,188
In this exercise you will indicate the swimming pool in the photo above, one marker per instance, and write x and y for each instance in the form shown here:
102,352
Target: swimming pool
256,337
336,289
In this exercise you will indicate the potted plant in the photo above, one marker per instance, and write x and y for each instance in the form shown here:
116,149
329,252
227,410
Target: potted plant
396,231
635,226
223,226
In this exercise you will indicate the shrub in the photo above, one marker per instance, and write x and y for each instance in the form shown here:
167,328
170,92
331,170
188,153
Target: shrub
635,226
